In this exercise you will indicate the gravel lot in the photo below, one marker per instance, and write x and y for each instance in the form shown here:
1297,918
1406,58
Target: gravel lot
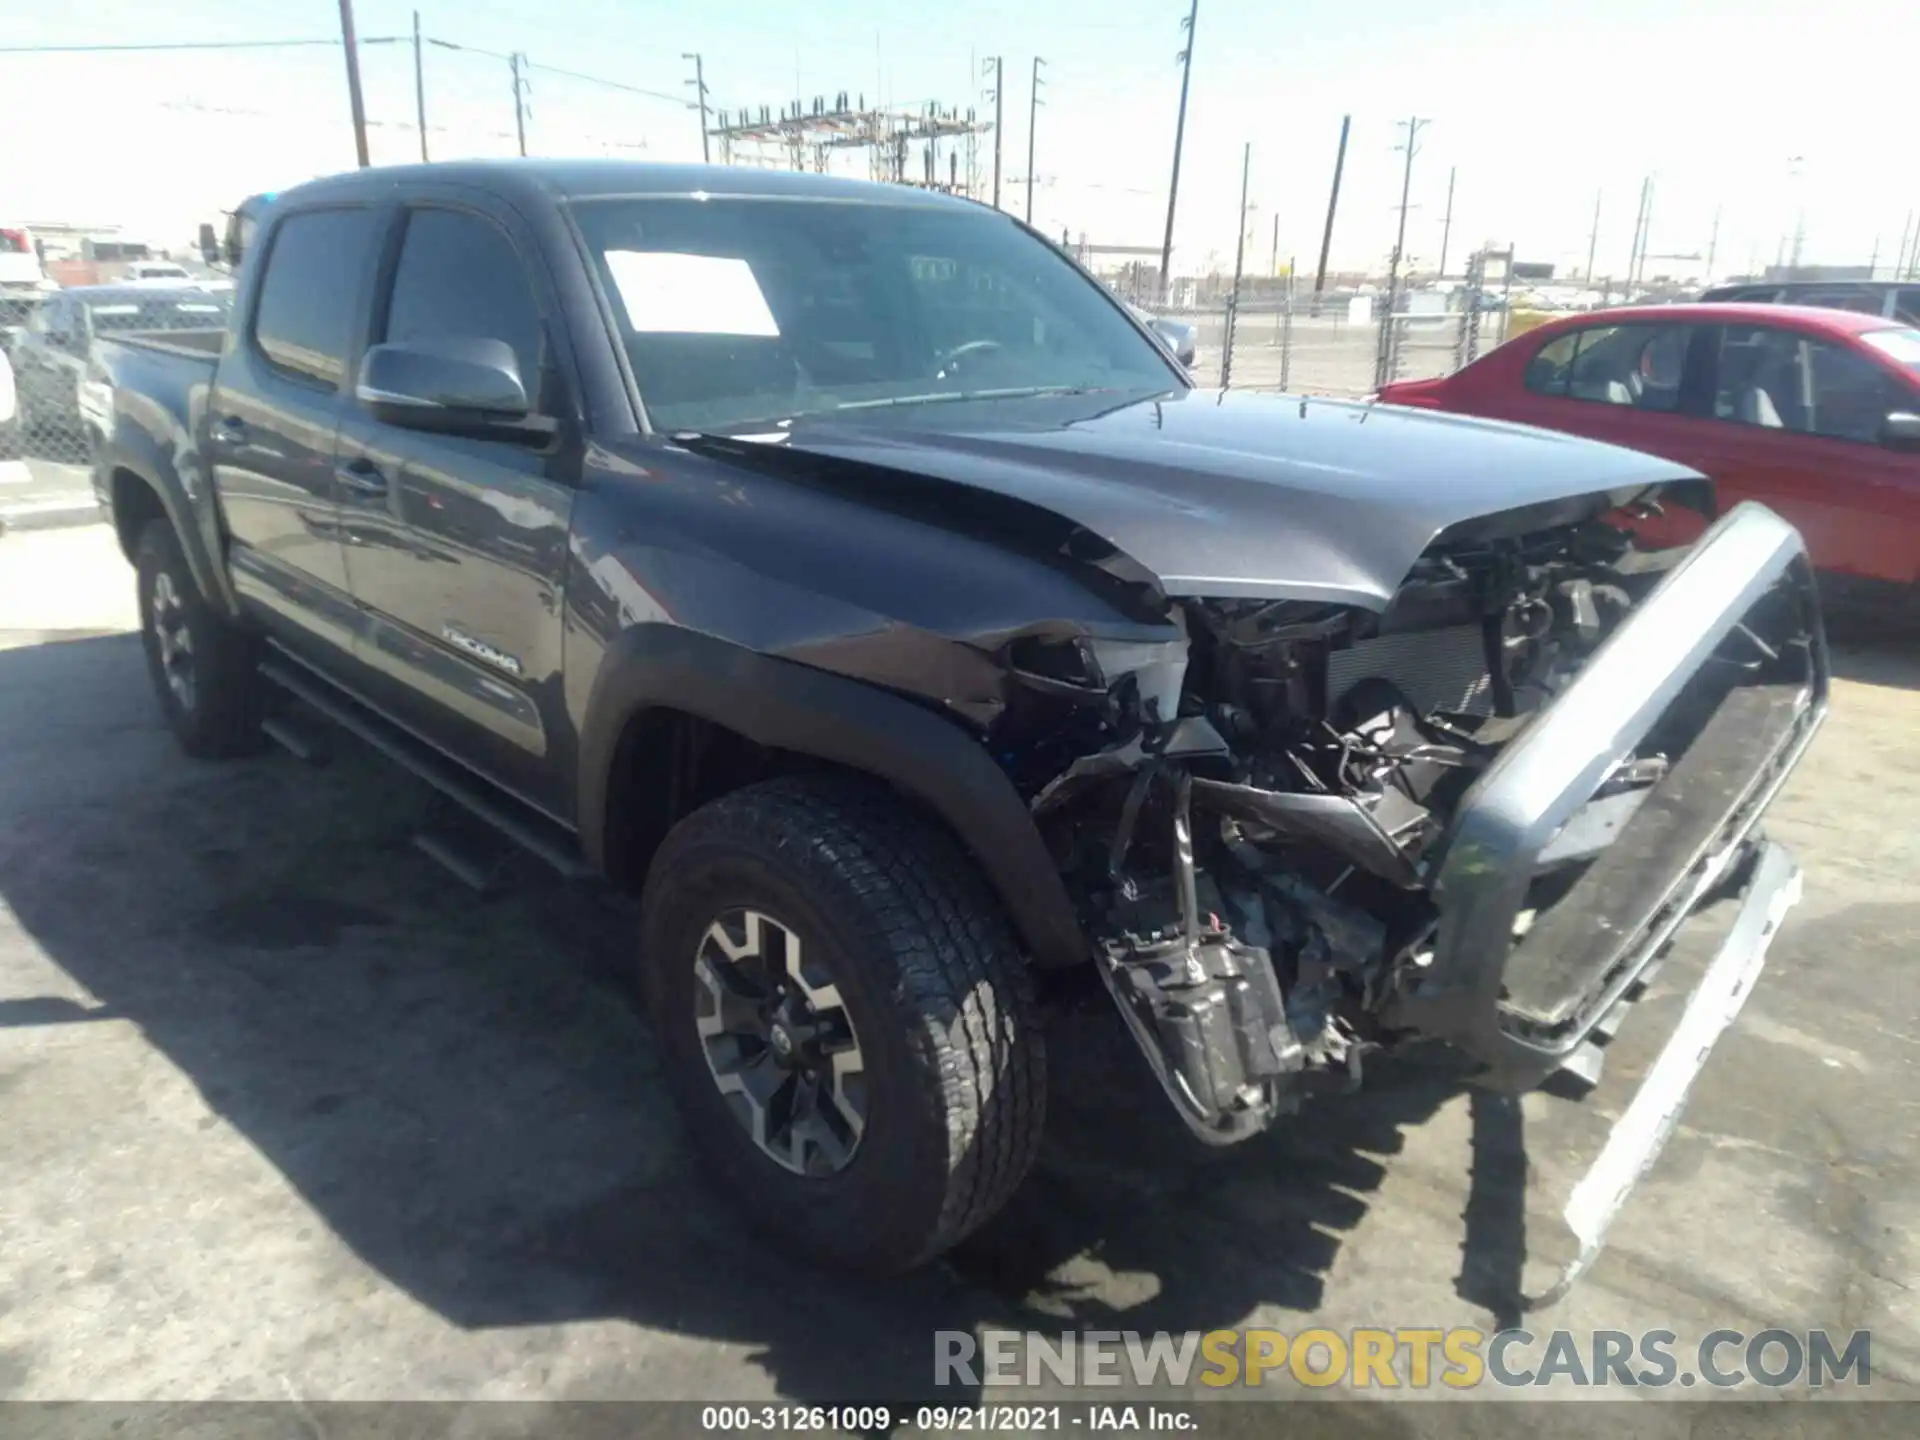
285,1111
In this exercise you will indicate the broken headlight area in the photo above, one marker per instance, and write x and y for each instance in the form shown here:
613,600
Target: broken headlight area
1250,815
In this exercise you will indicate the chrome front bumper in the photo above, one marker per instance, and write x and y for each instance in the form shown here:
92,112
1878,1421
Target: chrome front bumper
1494,997
1641,1132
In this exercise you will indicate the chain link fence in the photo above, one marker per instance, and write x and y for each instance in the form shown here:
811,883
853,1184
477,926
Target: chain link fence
1331,345
55,344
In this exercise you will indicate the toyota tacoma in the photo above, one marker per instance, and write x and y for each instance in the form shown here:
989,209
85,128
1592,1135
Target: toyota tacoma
845,571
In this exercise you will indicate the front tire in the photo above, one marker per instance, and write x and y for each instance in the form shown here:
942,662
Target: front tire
204,669
846,1019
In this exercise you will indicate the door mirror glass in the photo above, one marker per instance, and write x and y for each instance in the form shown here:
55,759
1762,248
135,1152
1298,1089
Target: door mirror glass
463,386
1901,431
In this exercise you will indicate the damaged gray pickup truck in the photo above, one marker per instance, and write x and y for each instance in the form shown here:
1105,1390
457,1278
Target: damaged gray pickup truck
843,569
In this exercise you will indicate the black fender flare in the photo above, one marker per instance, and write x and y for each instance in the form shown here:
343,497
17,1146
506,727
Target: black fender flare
789,706
197,530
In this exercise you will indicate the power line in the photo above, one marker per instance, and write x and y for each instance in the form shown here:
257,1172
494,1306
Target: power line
189,45
610,84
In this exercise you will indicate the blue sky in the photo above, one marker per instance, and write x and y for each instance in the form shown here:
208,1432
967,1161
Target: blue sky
1539,106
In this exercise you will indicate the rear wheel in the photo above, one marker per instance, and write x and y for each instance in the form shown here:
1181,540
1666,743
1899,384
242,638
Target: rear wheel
846,1019
204,668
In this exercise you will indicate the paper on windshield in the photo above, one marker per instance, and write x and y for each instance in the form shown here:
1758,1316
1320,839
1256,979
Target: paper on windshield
665,293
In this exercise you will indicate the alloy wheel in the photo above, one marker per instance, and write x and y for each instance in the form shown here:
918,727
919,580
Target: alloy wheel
174,639
779,1043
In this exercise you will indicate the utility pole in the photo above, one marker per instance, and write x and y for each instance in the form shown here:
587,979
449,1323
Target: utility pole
1446,226
1406,191
1383,356
1333,201
1033,119
1239,262
1179,139
999,129
1800,209
1593,235
419,88
1873,259
1275,270
352,47
1900,256
517,61
1642,223
699,83
1713,246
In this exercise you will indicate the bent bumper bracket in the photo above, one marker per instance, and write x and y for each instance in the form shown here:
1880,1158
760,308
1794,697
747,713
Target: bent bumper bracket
1640,1134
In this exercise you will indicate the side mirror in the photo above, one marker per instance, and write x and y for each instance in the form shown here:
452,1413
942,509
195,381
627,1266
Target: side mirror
1901,431
209,245
456,387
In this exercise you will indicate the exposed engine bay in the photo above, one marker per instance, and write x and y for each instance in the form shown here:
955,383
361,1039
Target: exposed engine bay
1250,819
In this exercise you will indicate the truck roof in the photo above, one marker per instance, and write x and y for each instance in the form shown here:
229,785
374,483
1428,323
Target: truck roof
565,180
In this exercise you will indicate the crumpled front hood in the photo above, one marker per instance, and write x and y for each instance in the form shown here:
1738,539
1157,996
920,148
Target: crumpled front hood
1246,495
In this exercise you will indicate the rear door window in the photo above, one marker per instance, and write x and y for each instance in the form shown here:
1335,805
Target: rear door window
309,306
1638,365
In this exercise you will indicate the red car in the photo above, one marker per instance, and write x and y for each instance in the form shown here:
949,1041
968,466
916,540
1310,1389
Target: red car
1815,413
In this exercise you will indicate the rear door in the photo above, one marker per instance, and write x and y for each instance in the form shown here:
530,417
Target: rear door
1638,384
269,431
458,547
1796,424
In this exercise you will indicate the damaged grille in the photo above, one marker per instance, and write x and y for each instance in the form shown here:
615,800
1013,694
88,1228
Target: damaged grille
1558,976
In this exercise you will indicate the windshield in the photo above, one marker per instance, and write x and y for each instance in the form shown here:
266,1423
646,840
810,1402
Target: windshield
1902,346
196,310
736,311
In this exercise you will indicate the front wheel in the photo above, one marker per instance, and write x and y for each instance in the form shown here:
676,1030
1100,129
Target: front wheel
204,668
846,1019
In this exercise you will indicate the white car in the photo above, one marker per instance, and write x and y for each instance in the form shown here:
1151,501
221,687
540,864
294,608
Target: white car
164,272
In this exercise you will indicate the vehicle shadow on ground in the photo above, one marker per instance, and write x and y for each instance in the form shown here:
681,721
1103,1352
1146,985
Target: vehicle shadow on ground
461,1089
1877,660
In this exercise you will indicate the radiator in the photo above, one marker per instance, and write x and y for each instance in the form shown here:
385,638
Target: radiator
1435,669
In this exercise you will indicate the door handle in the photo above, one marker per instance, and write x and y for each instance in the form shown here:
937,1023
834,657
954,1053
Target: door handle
361,478
230,430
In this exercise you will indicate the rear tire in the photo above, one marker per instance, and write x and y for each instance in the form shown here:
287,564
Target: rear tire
909,963
204,668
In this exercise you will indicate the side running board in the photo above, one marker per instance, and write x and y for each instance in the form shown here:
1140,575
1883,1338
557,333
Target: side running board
527,828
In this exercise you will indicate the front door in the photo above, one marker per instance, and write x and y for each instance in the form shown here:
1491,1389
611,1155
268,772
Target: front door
1796,424
457,548
271,421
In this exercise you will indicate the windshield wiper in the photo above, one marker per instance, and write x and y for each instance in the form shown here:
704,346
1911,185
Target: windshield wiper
948,397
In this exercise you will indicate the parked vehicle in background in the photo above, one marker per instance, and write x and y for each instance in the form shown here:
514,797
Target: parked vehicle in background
1890,300
1181,338
20,267
163,271
62,388
23,281
847,571
16,313
9,411
1815,413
